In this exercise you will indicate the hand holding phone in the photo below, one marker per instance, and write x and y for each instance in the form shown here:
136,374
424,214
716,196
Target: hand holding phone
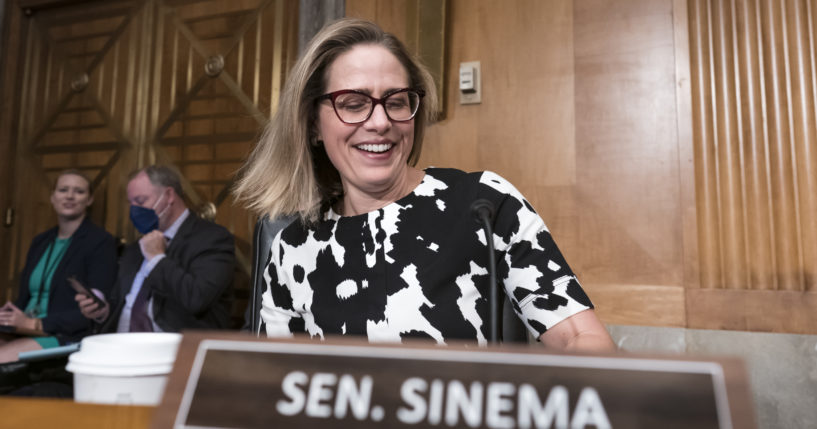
82,290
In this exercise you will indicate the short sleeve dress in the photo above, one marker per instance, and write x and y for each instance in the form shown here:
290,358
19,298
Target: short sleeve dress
418,267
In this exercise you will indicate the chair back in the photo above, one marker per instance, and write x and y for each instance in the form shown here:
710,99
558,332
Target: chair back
265,231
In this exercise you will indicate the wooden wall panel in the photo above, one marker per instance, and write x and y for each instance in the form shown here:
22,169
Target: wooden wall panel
72,64
579,112
110,86
627,141
753,80
628,159
219,69
10,48
510,121
669,145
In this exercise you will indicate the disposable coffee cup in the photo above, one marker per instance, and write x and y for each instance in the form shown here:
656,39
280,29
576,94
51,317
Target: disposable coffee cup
124,368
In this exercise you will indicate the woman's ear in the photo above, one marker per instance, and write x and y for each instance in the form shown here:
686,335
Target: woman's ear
315,139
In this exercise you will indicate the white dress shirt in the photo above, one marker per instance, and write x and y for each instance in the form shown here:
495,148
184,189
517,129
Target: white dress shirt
141,275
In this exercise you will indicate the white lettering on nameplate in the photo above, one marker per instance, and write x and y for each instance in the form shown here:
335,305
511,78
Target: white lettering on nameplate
497,405
327,395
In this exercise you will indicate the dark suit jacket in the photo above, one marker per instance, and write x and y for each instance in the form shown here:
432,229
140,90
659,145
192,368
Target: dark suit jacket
190,286
91,257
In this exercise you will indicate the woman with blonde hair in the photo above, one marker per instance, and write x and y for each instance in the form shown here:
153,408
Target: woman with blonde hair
380,248
74,248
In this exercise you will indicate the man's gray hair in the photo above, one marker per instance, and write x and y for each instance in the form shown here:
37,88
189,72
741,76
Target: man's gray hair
160,175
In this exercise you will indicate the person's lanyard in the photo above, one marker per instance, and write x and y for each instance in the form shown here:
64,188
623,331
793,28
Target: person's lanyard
49,266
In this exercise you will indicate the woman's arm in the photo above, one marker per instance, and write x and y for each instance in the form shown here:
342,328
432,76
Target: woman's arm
94,265
582,331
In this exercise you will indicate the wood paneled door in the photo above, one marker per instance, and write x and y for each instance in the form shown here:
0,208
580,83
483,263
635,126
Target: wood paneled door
110,86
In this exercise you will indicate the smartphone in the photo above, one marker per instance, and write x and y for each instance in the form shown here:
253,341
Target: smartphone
82,290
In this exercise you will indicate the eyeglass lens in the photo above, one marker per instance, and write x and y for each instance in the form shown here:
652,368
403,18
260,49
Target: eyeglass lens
353,107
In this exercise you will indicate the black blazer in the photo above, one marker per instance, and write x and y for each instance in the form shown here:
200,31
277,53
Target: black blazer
91,257
190,286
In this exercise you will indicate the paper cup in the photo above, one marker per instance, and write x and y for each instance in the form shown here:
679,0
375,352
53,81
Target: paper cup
126,368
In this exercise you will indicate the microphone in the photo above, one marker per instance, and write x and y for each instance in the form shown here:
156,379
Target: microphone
483,213
482,208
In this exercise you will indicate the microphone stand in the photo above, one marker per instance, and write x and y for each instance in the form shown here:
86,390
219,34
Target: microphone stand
483,211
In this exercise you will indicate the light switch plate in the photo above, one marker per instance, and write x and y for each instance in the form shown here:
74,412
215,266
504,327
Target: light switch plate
476,96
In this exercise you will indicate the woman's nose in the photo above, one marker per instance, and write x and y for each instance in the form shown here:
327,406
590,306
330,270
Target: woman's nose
378,119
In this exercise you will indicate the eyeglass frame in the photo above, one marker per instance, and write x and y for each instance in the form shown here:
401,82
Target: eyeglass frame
375,101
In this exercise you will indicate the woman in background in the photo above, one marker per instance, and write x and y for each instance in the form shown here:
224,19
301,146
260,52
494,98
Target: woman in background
74,248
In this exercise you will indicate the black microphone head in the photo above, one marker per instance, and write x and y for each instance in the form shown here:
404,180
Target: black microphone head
482,208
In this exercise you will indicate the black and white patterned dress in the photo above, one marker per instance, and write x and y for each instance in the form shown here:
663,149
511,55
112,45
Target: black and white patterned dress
418,267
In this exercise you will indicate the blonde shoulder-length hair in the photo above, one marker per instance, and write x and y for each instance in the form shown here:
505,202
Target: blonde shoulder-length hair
288,171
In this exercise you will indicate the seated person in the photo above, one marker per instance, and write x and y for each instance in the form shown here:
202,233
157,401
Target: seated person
177,275
380,248
74,248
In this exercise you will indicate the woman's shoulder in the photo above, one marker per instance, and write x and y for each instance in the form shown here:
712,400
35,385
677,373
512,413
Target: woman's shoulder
475,185
453,176
449,176
457,174
499,183
95,232
294,230
46,235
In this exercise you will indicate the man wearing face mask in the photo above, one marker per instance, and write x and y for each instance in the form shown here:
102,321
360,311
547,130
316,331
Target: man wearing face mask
178,275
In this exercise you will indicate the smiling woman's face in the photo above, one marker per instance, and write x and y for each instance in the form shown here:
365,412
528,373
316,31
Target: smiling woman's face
371,156
71,196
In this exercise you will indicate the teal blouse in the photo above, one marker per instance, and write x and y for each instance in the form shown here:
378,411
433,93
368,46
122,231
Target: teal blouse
39,285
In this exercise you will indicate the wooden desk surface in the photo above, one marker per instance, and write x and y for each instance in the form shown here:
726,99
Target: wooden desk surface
65,413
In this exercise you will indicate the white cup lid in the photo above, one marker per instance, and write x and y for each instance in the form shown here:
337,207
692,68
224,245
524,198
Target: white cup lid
138,351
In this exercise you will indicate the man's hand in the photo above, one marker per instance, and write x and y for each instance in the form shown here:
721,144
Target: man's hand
152,244
90,308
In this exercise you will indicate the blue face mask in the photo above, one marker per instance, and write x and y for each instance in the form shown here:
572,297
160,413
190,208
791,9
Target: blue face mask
144,219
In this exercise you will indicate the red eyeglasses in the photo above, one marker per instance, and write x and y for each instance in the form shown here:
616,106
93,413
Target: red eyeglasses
353,106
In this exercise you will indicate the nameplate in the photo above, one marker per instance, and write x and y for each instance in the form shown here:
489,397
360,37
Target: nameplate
260,384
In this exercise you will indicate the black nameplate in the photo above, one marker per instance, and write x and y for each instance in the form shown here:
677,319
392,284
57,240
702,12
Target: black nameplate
255,384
